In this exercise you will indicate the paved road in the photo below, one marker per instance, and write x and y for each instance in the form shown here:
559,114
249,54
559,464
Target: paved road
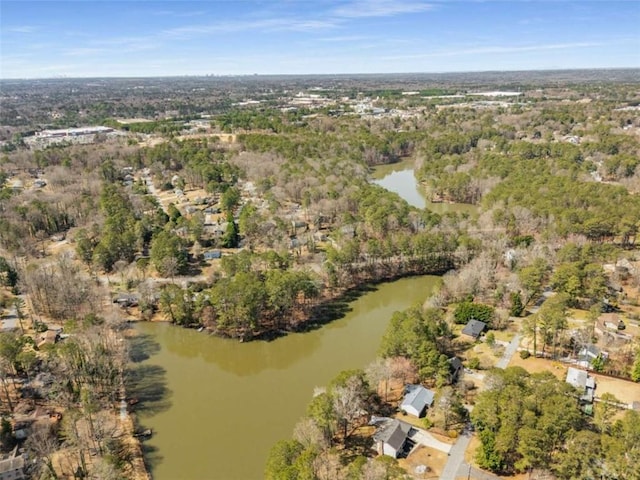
466,471
456,457
456,467
509,351
154,192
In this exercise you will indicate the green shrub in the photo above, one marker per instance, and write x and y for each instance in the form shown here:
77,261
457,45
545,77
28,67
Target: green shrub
524,354
466,311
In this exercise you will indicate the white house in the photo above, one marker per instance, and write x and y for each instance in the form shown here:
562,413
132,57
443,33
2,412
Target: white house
581,380
416,400
588,354
391,439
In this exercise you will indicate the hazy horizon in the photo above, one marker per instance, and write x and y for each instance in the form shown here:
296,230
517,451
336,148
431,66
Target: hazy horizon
129,39
351,74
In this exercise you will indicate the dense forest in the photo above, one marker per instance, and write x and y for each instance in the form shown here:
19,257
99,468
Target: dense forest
253,223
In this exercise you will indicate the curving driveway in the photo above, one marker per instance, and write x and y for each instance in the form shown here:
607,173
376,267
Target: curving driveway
509,351
425,438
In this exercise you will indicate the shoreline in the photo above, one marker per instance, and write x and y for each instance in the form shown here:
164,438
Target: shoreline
327,309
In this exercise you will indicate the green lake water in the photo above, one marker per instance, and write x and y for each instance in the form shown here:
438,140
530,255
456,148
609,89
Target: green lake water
400,178
217,406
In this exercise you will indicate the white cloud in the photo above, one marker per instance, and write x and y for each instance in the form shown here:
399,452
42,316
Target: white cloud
22,29
173,13
344,38
380,8
269,24
84,51
495,49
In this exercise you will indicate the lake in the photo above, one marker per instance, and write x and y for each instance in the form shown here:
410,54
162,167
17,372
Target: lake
216,406
400,178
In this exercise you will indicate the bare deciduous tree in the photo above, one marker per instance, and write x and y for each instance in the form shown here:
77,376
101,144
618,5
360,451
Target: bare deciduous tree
42,444
307,432
348,401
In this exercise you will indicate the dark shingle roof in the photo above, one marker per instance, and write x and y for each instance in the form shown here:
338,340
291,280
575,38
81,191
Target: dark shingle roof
395,434
456,363
474,328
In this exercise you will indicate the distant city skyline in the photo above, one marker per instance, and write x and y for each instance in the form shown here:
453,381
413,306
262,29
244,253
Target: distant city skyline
44,39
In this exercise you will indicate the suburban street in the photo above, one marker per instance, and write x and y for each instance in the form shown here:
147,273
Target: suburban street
467,471
456,466
456,457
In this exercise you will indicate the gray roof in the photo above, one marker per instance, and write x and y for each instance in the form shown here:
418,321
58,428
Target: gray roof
418,397
580,379
589,352
12,464
455,363
474,328
395,434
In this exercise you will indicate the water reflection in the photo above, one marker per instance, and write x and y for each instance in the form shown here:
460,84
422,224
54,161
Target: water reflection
229,402
236,358
254,357
400,178
144,382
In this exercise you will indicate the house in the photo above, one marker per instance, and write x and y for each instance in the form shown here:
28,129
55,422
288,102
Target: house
12,467
212,255
585,383
216,230
588,354
297,225
474,329
126,300
319,236
17,185
391,439
455,367
416,400
48,337
349,231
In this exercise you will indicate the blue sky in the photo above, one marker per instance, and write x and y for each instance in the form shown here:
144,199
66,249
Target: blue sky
148,38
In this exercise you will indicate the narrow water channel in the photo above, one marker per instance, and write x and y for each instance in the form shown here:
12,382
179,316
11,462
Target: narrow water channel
220,405
400,178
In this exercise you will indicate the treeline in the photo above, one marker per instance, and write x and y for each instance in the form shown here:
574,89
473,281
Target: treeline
268,120
201,163
529,422
163,127
258,294
548,161
354,143
546,182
